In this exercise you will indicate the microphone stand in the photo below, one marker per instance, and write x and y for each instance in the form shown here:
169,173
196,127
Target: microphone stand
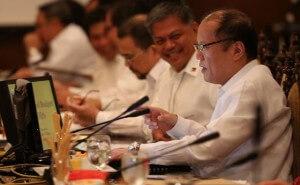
133,114
130,108
257,132
250,156
257,139
203,139
200,140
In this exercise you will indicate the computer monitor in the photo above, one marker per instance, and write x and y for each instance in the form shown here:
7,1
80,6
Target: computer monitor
43,103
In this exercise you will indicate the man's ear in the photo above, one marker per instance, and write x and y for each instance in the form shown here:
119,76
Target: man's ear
57,22
238,50
154,51
195,26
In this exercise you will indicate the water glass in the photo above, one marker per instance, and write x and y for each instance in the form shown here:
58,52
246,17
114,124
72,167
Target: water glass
98,151
180,178
135,175
60,169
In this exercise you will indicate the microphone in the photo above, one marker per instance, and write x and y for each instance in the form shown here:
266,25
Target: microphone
131,115
258,123
257,134
244,159
130,108
200,140
248,157
136,105
66,72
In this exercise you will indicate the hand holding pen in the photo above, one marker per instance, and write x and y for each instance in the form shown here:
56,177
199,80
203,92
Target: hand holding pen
86,95
85,110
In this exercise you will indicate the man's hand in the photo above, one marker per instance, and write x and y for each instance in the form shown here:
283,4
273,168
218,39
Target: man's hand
62,93
116,154
85,113
23,73
32,40
94,102
158,135
160,119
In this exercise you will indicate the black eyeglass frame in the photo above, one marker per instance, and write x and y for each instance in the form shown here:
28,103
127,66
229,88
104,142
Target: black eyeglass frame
202,47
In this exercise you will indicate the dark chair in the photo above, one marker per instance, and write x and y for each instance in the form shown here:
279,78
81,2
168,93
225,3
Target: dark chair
294,104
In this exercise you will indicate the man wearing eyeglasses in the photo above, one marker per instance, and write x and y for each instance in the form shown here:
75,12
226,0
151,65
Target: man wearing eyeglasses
144,61
227,50
113,80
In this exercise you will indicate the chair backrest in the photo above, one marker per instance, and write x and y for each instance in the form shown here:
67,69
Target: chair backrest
294,104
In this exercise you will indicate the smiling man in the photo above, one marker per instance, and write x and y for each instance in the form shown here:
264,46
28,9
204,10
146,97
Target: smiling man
174,32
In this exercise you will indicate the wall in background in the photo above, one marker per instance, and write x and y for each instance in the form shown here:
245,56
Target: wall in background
20,12
17,18
263,13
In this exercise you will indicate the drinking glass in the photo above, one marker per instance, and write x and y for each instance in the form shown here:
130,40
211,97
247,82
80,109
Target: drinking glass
98,150
135,175
60,169
180,178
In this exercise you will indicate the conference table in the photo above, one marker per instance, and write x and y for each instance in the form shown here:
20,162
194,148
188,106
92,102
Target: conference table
169,179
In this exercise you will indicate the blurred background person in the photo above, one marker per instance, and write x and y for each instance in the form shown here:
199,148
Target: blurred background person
141,57
112,78
70,58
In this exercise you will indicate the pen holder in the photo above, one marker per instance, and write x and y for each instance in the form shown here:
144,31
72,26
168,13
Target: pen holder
60,170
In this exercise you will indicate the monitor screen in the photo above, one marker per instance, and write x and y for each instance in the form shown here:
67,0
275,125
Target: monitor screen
45,104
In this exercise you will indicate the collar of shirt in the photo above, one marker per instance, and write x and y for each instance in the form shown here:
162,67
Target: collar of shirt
192,67
237,76
157,70
116,58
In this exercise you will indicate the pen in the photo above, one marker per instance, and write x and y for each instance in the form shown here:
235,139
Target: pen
86,95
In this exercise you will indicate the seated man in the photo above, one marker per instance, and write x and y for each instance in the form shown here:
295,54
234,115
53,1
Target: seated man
71,57
112,77
144,61
227,49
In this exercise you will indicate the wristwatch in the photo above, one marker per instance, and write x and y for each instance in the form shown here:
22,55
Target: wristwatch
134,147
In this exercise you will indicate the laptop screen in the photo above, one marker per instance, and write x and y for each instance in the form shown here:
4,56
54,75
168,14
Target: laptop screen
45,103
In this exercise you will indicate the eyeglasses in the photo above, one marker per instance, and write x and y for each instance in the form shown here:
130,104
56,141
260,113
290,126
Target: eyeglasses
202,47
132,58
